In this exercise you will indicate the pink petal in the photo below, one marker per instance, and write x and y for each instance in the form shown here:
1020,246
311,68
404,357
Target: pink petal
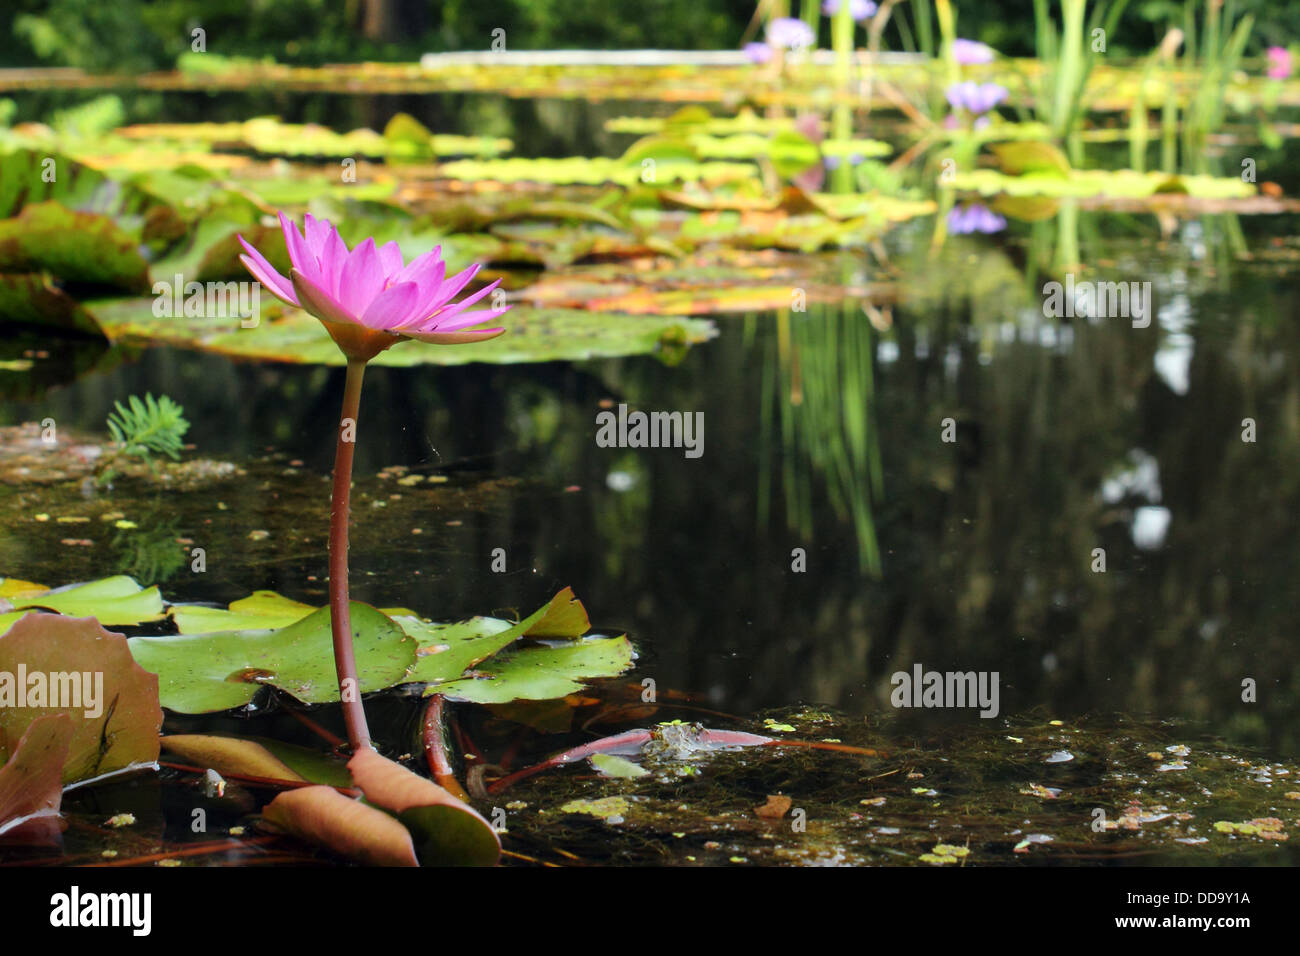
452,286
318,302
361,278
299,253
331,262
436,321
265,273
317,231
391,306
455,338
390,259
418,266
465,319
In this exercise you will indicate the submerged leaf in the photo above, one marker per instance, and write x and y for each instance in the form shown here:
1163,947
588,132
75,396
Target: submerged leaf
31,783
446,831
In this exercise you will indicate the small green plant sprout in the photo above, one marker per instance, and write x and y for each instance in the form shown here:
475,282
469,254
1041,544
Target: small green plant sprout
149,427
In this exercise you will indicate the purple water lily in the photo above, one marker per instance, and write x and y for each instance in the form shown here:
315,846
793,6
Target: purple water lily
971,52
791,33
859,10
758,52
975,98
974,218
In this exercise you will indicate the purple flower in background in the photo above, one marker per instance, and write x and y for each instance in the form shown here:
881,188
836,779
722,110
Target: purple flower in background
974,218
758,52
831,162
858,9
1279,62
789,32
975,97
970,52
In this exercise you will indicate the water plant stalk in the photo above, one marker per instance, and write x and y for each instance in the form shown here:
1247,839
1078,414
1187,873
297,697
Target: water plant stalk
345,660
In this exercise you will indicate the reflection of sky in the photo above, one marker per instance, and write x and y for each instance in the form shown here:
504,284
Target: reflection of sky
1150,524
1141,478
1174,354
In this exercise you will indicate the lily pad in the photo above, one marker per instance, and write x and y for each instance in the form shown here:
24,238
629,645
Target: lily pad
208,672
111,701
541,673
447,650
114,601
77,246
534,335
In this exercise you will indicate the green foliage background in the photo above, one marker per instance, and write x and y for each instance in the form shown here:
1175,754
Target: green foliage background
132,35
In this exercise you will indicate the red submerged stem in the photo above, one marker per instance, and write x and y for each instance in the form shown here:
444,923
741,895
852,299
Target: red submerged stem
345,661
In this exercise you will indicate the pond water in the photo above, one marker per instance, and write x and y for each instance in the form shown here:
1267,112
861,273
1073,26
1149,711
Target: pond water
926,485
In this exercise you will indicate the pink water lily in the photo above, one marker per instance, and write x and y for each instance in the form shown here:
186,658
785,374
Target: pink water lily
369,298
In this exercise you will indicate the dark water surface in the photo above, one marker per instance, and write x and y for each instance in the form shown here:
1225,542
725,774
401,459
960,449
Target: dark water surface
976,554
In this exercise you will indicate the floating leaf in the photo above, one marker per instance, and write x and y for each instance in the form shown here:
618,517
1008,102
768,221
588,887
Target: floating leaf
30,299
1031,156
111,701
113,601
535,335
262,610
539,673
77,246
206,672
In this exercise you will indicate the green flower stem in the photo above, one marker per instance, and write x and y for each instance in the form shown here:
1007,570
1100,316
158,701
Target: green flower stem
345,660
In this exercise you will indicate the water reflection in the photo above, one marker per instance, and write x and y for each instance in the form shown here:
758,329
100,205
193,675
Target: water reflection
824,434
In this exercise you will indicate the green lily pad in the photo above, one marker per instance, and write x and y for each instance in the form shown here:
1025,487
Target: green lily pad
448,650
541,673
262,610
118,600
201,673
1116,184
1031,156
535,335
77,246
30,299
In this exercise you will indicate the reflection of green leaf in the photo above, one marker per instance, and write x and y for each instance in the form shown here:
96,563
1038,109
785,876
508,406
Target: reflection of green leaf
208,672
540,673
113,601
